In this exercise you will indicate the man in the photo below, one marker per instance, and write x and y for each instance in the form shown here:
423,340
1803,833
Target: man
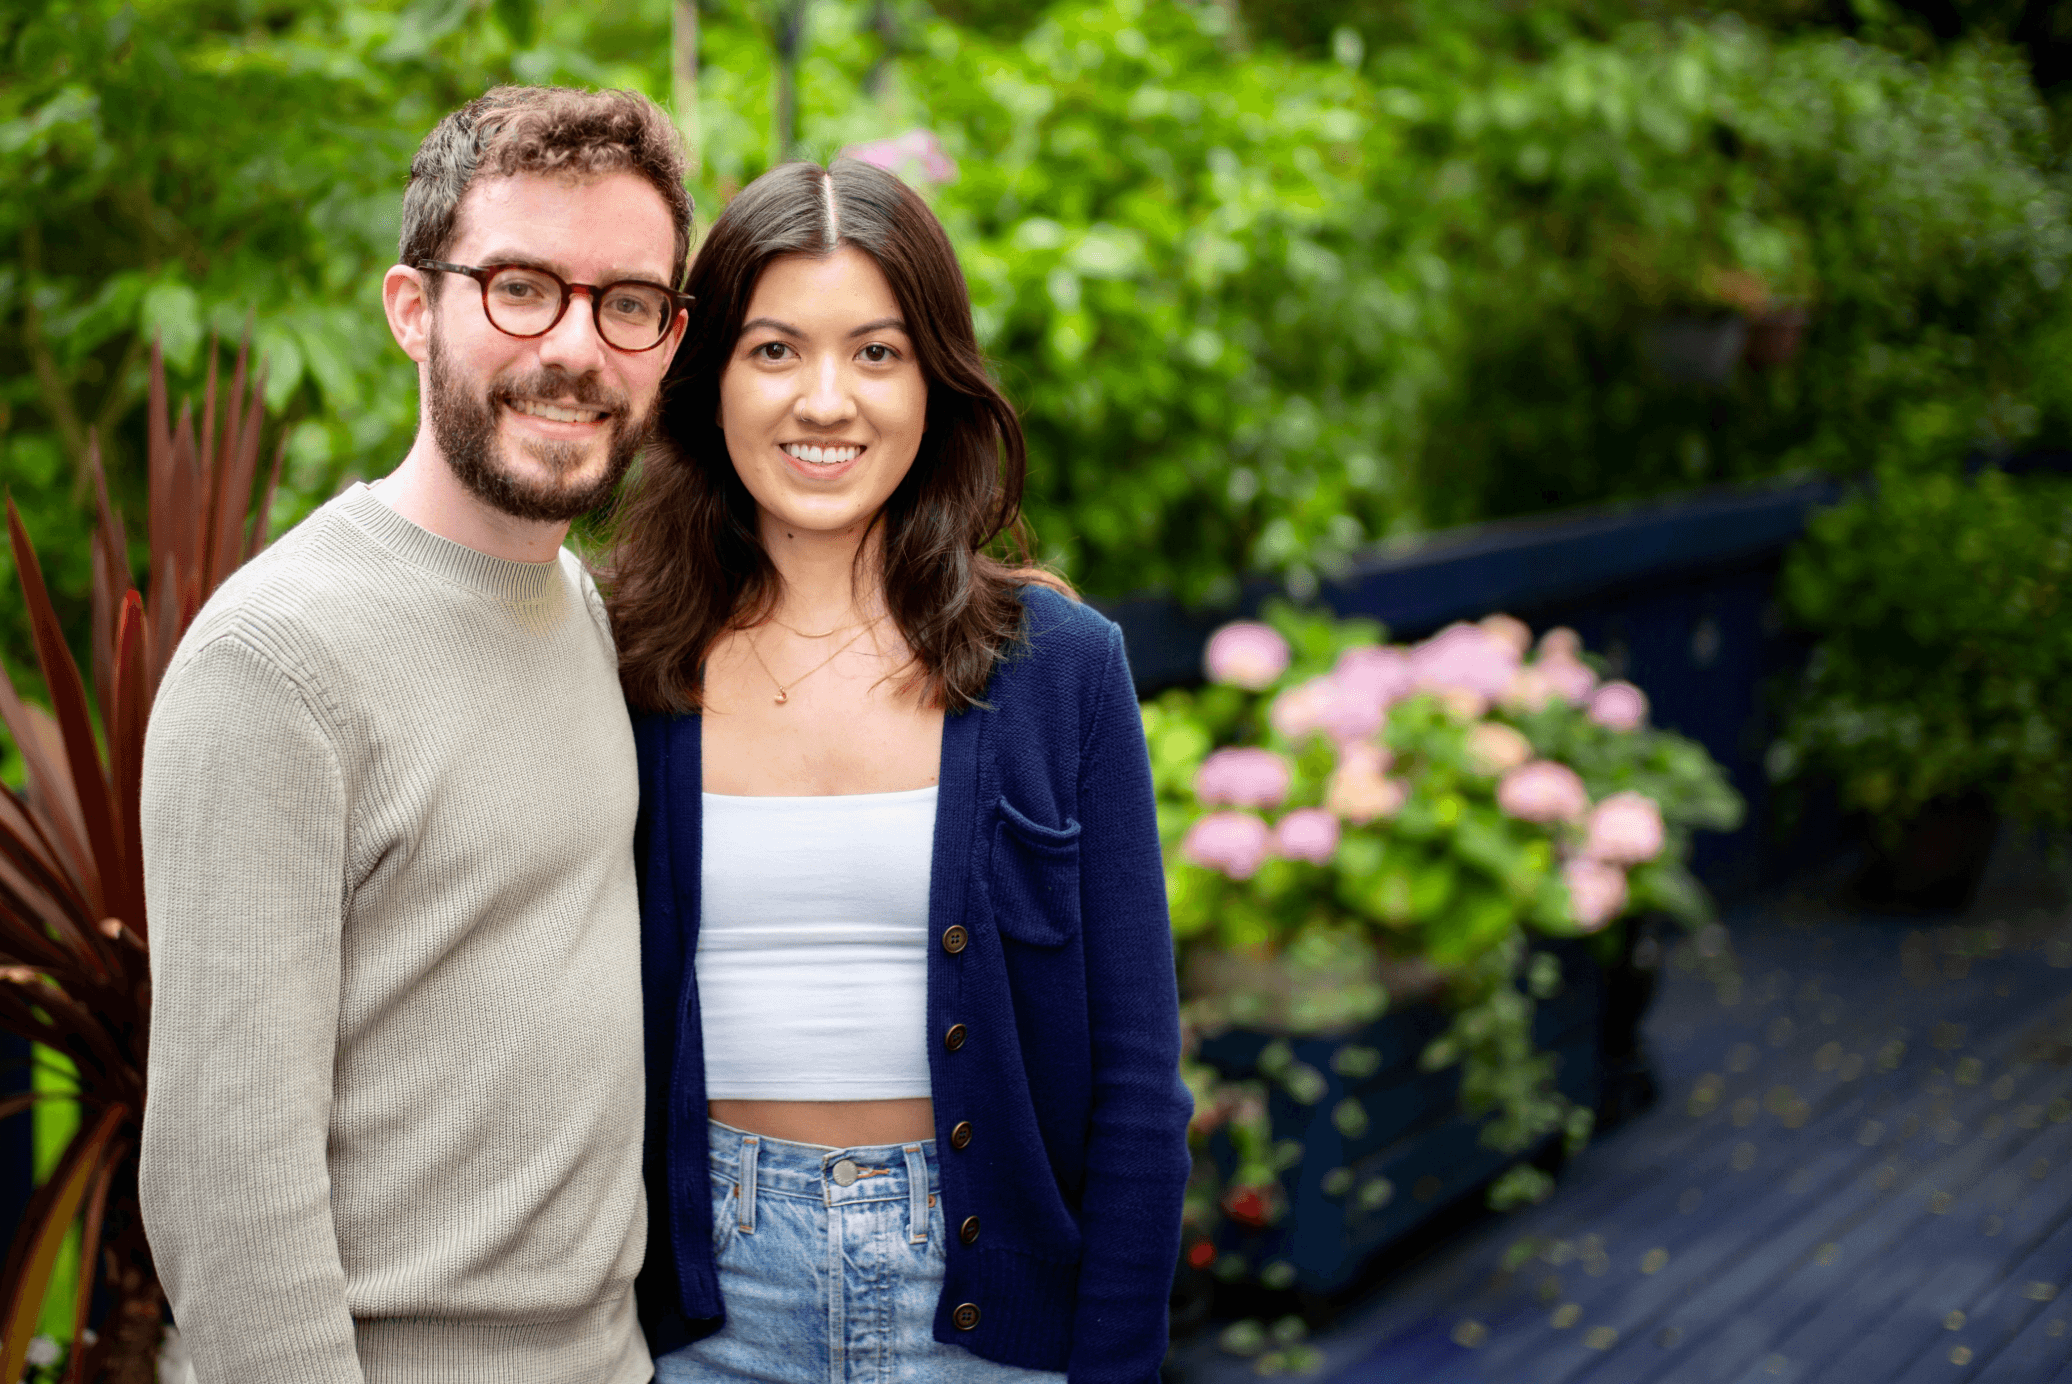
396,1084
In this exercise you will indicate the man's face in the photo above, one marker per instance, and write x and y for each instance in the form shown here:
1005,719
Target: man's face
542,428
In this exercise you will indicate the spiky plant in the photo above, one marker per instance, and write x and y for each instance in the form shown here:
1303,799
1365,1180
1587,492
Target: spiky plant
74,970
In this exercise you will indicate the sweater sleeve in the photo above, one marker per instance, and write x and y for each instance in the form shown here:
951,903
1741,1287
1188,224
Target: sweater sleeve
1137,1158
244,827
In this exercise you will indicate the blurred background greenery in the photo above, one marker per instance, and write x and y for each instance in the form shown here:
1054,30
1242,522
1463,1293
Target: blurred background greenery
1271,279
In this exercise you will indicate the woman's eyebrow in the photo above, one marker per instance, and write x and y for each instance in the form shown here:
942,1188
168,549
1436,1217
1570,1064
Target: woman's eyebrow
771,324
882,324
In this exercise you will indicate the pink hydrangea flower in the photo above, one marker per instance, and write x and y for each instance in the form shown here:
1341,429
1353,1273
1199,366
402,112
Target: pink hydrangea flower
1379,673
1465,656
1300,711
1570,678
1528,690
1496,748
915,155
1360,789
1508,630
1596,892
1242,778
1349,715
1307,833
1619,706
1234,842
1542,791
1625,829
1561,642
1246,654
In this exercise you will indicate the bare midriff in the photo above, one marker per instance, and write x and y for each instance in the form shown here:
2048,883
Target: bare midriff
835,1124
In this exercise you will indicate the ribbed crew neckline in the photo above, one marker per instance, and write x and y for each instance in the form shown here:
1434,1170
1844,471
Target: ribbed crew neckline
498,578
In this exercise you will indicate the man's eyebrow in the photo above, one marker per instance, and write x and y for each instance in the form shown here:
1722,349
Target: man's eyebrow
525,261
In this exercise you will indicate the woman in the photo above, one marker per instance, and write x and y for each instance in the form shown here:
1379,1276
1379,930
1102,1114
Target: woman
912,1024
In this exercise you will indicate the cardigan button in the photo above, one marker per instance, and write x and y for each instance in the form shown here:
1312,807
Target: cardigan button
965,1317
968,1231
960,1137
954,938
954,1039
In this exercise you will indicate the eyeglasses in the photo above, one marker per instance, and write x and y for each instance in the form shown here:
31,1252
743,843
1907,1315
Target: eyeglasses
631,315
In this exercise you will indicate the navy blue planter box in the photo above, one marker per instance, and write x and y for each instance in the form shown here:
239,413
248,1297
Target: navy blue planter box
1677,594
1416,1139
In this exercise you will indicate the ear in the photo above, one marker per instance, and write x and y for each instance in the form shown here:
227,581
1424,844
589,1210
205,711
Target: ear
409,311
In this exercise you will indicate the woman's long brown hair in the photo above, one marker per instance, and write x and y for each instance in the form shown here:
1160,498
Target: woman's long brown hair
686,561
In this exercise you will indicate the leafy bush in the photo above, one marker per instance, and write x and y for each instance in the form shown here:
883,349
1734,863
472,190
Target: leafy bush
1945,667
1433,808
1263,308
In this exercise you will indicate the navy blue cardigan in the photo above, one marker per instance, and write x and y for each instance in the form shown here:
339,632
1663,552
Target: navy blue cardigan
1050,945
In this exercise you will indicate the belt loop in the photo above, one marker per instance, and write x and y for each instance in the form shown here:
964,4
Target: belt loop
744,1191
917,1195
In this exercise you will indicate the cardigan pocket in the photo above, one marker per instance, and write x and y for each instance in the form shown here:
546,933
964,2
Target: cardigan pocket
1035,879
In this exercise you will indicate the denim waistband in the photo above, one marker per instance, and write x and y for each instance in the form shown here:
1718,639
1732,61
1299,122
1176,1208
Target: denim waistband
760,1166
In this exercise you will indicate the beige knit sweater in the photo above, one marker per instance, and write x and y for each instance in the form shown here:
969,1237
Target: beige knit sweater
394,1129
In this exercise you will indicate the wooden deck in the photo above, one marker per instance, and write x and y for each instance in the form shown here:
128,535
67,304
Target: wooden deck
1860,1171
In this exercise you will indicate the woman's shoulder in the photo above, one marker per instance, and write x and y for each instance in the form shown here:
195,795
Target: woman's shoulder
1063,637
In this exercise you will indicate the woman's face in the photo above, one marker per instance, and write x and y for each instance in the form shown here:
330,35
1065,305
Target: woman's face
822,402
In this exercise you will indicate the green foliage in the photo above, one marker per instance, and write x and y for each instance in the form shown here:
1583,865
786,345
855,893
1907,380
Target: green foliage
1263,297
1263,308
1946,666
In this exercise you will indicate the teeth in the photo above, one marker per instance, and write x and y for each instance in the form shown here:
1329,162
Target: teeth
555,413
822,456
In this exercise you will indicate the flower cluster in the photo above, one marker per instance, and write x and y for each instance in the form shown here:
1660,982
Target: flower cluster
1488,677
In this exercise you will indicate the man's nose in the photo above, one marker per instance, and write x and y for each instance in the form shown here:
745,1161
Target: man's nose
573,345
826,400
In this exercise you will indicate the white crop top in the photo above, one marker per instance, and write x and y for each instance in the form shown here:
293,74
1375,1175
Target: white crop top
813,946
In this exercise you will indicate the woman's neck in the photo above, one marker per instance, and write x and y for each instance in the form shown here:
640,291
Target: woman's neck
824,586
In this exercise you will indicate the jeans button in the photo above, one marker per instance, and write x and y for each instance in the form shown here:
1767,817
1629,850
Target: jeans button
844,1173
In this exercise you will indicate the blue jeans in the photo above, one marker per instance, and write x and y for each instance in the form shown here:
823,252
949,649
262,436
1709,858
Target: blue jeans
830,1265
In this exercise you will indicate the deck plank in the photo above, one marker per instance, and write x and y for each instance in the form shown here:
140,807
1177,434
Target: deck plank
1816,1213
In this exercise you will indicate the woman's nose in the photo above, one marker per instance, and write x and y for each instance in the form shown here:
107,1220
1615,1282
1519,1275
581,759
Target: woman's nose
826,401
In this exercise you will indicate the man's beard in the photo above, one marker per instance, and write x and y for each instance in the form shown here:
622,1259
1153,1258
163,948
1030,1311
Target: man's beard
465,426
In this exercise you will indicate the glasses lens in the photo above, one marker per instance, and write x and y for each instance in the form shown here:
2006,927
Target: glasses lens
631,315
522,302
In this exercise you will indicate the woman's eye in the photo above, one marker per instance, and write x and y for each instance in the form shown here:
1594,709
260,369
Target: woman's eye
770,350
877,353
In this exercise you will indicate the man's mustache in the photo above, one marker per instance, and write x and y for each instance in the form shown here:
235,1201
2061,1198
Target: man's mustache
553,385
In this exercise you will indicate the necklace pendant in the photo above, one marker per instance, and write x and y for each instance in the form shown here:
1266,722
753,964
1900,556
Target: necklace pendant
782,697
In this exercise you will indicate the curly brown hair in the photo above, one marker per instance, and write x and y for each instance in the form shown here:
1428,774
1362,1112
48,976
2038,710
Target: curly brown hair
536,129
686,561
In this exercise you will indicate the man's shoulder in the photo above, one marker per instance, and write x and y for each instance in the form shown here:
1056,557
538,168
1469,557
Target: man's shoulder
293,595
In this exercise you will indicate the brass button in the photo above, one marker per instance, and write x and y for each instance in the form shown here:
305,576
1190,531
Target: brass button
968,1231
954,1039
954,939
965,1317
960,1137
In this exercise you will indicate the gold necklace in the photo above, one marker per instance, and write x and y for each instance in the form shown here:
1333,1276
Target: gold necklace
783,694
829,635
